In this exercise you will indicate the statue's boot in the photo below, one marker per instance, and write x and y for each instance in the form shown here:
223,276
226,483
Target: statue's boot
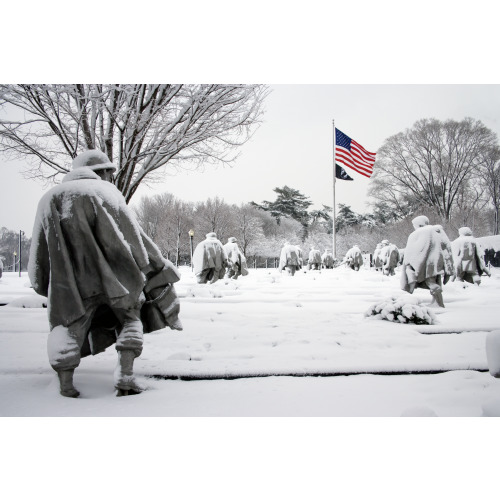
66,384
437,299
125,383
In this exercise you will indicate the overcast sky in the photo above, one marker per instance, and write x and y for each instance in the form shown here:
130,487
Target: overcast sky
283,42
293,145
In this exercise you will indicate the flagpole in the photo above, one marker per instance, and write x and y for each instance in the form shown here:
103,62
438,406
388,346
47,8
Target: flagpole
334,176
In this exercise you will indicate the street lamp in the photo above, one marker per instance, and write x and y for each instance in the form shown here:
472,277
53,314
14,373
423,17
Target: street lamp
191,234
20,235
14,264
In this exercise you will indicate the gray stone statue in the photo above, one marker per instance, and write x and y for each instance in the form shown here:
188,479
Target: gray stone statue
314,261
389,258
354,258
468,257
209,260
428,261
290,258
236,261
327,259
92,261
377,255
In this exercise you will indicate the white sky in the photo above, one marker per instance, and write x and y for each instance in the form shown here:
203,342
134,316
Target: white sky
293,145
308,52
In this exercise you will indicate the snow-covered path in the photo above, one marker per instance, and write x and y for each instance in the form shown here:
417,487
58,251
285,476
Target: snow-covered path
261,326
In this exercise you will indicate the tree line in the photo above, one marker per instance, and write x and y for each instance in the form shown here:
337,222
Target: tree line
449,170
450,167
10,252
262,228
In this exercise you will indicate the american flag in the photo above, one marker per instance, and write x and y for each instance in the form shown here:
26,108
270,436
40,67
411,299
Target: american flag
351,154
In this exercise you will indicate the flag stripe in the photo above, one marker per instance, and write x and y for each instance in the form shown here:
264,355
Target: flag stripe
358,170
351,154
363,149
351,165
360,160
343,156
361,156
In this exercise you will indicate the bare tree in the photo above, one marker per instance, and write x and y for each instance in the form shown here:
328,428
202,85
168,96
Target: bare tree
142,128
214,215
429,164
182,221
470,203
248,229
491,183
166,220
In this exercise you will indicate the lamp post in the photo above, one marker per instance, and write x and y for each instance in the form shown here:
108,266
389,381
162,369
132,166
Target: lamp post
14,264
20,261
191,234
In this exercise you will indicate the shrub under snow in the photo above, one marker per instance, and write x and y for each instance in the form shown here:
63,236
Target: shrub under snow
402,310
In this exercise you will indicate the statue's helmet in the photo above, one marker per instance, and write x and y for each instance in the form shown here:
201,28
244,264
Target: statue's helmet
465,231
93,159
420,221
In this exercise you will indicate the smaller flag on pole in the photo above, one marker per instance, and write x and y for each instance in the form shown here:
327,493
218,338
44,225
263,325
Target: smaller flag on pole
340,173
351,154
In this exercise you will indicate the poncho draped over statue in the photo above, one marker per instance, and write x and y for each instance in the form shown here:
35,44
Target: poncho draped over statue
468,256
327,259
354,257
290,256
86,244
209,260
315,257
389,258
427,254
235,257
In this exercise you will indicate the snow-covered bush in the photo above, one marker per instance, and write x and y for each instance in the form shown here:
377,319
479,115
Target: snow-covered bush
402,310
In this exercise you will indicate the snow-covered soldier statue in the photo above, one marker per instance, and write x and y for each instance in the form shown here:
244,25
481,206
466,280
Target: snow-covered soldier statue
389,256
468,257
377,261
236,261
327,259
92,261
290,258
314,261
428,261
209,260
301,256
354,258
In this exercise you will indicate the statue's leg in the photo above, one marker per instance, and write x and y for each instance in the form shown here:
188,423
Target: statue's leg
129,346
125,382
66,384
437,298
436,292
63,347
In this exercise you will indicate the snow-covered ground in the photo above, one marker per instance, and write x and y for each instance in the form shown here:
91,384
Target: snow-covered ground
271,345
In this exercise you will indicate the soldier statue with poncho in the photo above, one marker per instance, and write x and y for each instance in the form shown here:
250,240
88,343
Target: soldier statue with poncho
93,262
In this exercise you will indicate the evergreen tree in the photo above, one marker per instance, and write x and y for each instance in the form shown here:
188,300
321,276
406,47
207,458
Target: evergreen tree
289,203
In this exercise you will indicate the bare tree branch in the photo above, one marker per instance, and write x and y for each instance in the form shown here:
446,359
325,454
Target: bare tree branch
144,128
